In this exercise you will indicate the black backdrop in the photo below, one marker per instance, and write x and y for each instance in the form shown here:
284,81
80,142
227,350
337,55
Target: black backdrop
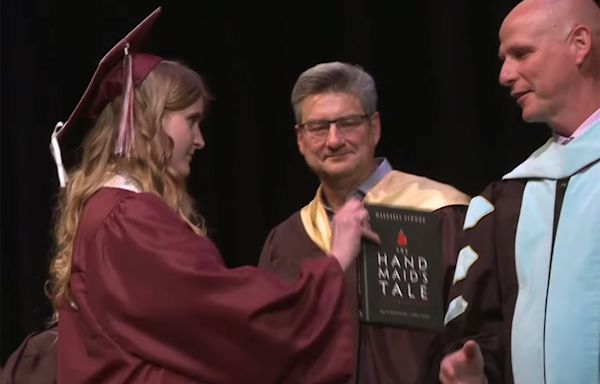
435,63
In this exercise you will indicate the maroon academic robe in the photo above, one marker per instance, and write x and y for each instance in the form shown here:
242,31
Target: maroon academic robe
387,355
34,361
152,302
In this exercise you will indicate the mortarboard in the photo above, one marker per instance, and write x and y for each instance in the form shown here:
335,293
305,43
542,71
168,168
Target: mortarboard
121,70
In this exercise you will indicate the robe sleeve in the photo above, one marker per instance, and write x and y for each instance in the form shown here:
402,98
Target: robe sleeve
286,246
163,294
269,259
451,221
475,307
34,361
452,218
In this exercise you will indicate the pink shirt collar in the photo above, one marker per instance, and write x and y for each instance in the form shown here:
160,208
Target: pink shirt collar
594,117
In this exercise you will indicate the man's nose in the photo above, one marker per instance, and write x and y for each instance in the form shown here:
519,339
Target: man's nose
334,136
508,73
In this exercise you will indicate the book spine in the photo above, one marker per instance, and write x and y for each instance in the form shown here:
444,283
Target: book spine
363,297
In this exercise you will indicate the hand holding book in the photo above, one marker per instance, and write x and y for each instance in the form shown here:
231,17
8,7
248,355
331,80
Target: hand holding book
350,224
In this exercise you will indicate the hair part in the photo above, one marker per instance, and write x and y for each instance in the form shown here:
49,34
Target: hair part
334,77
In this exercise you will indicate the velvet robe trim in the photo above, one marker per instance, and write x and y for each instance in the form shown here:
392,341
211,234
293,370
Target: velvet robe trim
397,189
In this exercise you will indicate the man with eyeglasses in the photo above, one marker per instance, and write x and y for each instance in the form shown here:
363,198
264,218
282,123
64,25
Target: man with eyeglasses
337,130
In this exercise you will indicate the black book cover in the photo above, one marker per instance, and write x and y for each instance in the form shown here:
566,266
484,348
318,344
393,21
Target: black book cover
400,281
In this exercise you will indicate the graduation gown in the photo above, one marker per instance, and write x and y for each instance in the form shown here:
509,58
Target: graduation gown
527,282
382,355
34,361
152,302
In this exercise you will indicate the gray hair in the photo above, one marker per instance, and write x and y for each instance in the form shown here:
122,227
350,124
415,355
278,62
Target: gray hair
335,77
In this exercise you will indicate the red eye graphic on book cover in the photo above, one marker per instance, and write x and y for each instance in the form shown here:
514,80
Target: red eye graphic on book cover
402,240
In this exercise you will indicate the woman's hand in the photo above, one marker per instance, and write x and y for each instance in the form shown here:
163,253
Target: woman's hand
350,224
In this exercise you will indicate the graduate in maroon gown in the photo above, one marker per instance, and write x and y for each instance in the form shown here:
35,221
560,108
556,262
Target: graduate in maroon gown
141,295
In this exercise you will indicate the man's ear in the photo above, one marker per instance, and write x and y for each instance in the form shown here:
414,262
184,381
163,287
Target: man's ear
299,141
581,42
375,123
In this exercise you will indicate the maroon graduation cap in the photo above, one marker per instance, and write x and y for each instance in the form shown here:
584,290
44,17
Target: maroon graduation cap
121,70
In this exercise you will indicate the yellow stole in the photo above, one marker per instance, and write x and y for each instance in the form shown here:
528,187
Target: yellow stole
397,189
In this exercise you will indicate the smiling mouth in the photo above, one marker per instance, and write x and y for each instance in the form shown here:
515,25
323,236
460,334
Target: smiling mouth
518,96
336,155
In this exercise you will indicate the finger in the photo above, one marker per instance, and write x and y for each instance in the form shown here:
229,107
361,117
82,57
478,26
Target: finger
353,203
446,373
442,378
469,349
370,235
354,199
364,215
450,364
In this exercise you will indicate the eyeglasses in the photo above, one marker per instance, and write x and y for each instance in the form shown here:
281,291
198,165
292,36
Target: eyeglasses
319,129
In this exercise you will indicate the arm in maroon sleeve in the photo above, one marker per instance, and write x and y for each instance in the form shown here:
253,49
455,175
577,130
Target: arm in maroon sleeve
163,294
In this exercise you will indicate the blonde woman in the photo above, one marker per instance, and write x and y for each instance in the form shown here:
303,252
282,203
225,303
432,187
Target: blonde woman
141,295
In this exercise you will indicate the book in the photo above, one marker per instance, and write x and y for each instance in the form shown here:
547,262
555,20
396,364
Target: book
400,280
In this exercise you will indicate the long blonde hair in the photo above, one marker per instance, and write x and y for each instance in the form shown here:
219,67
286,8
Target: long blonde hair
170,86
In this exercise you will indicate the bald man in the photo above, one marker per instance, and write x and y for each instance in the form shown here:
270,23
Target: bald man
525,300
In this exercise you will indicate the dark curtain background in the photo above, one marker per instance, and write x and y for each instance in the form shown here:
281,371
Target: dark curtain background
435,63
